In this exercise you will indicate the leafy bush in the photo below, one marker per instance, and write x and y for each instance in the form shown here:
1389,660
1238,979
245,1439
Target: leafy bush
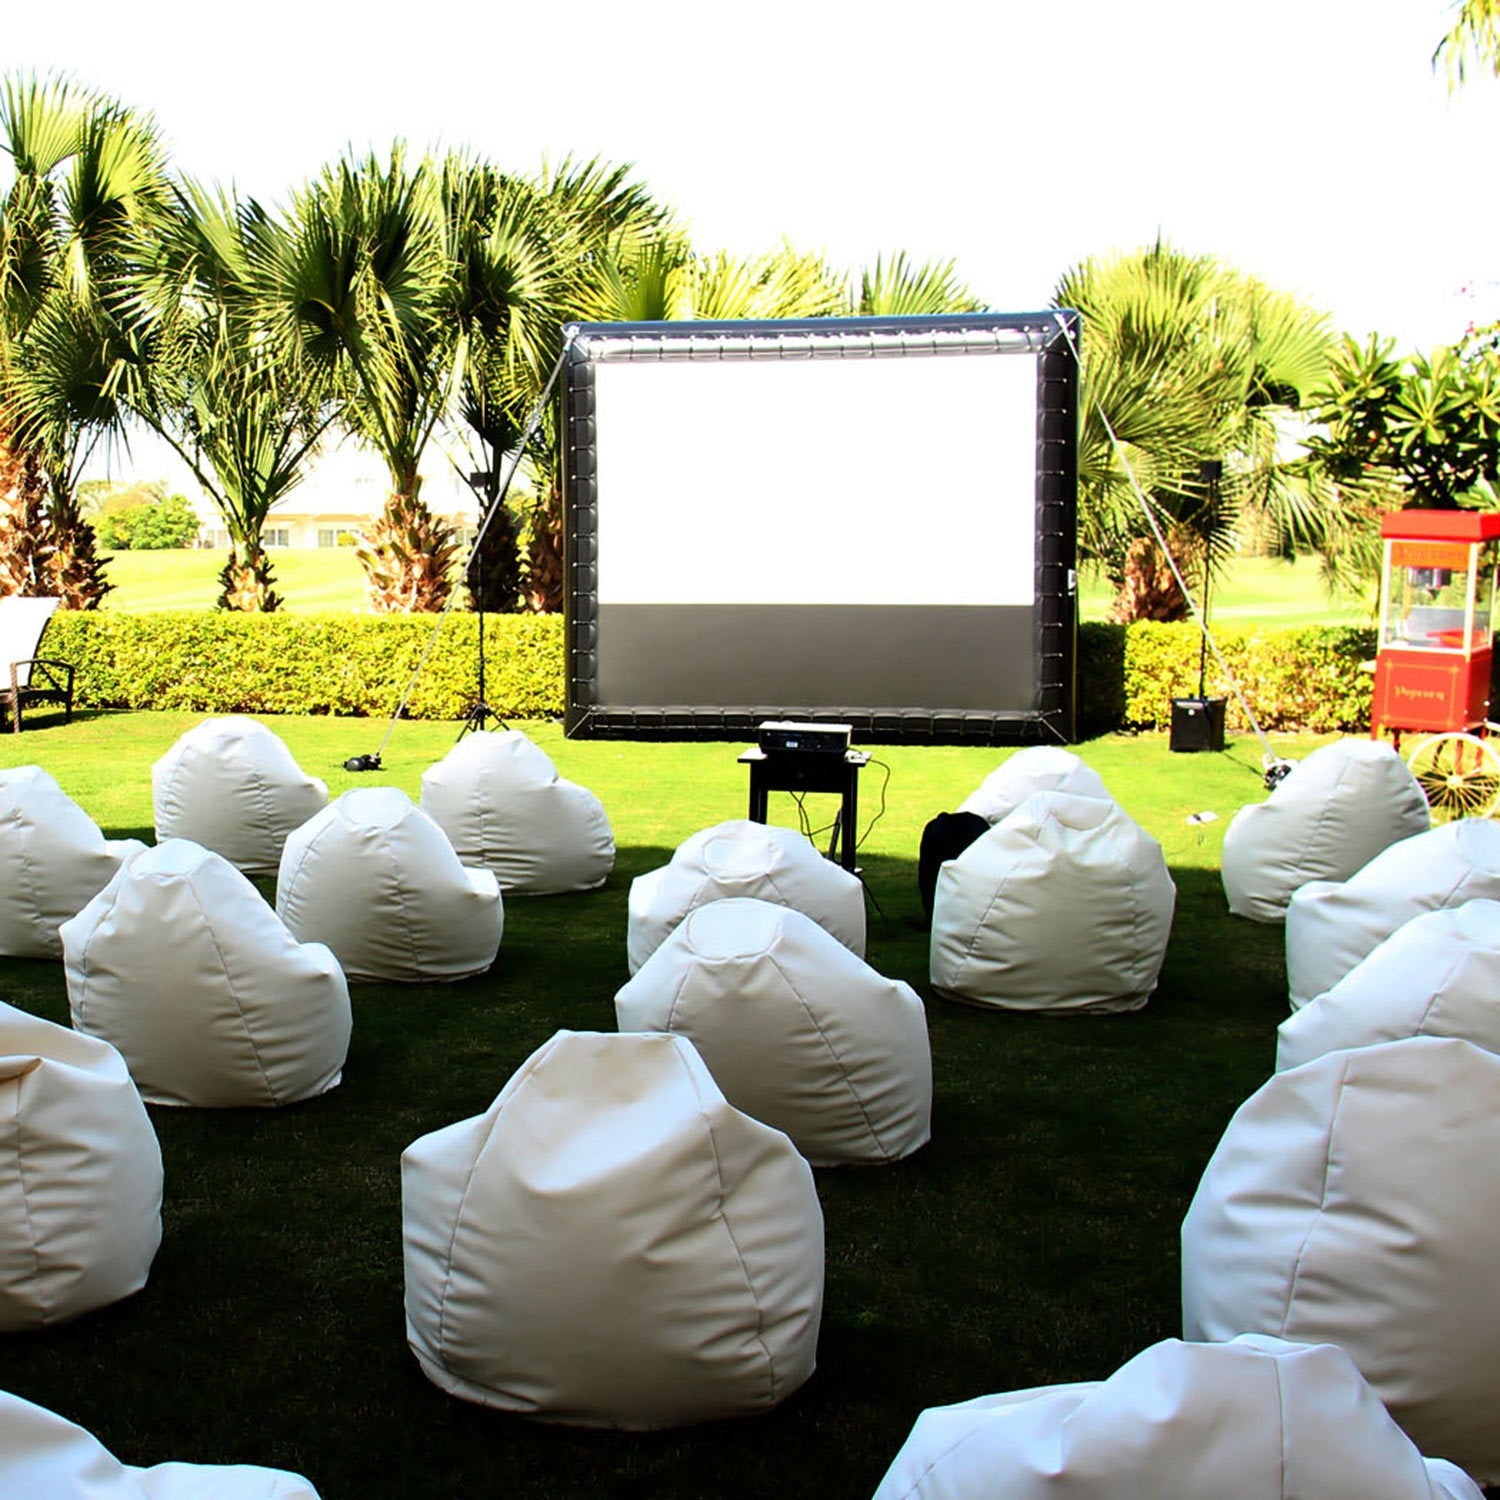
128,521
321,664
1309,677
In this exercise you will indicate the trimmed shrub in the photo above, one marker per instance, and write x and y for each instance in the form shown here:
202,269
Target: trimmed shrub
222,662
1310,677
1306,678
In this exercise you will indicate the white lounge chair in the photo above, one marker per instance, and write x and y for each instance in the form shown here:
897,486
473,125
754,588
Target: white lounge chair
25,677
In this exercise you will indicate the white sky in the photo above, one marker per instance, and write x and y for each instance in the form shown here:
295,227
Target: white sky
1306,141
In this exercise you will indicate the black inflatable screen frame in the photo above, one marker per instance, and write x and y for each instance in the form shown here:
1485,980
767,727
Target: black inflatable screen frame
1038,706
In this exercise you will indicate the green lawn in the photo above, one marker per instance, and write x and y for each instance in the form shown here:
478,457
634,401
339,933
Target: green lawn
308,578
1259,589
1034,1239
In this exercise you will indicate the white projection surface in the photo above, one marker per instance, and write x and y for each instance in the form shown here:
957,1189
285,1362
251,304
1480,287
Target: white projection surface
894,480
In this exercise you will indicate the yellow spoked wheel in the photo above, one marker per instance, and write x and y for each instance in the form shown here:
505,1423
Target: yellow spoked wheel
1459,775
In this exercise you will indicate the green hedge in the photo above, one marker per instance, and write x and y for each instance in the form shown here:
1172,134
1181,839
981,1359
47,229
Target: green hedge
1306,678
310,664
1311,677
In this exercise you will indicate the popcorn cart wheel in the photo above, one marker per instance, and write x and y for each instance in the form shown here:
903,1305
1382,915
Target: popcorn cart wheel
1435,655
1459,774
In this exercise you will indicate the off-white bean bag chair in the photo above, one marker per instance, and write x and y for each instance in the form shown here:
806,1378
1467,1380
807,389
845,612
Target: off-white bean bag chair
741,858
180,964
1326,819
53,859
1065,904
1438,975
1037,768
80,1177
1353,1201
796,1029
1256,1419
611,1244
377,880
44,1457
232,786
1331,925
499,799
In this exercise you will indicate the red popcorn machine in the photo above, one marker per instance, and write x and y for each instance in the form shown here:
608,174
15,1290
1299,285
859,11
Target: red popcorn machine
1432,665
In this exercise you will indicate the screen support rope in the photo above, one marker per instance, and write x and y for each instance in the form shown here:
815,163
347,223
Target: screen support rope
533,421
1275,766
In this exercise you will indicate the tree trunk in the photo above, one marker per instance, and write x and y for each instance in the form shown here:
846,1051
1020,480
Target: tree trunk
495,574
546,577
1148,591
247,585
25,545
406,556
75,572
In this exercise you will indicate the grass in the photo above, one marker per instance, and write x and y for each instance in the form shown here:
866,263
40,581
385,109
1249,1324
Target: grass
309,579
1261,590
1257,590
1034,1240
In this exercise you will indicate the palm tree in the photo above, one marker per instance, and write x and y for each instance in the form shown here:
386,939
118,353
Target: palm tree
241,415
900,288
359,289
1475,34
89,188
1190,369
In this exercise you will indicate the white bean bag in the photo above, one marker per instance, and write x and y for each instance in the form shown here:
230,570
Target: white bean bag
45,1457
1437,975
1326,819
797,1030
499,799
80,1177
1037,768
1065,904
611,1244
377,880
53,859
1354,1201
180,964
1255,1419
1331,925
741,858
231,785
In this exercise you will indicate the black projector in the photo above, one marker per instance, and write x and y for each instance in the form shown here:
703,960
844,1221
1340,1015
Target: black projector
783,737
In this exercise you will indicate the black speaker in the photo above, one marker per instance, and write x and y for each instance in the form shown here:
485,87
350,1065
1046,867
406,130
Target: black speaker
1197,724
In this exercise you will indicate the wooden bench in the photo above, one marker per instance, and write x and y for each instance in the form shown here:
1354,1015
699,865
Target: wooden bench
27,679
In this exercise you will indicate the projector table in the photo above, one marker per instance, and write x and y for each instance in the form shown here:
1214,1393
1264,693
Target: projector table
810,771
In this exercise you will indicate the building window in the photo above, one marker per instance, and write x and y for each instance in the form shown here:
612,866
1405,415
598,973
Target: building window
276,536
327,537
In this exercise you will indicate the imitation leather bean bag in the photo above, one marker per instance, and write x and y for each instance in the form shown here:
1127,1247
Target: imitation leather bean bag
44,1457
1254,1419
231,785
80,1177
53,860
180,964
377,880
1064,905
499,799
1037,768
1437,975
612,1244
1331,925
797,1030
1353,1201
741,858
1325,820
